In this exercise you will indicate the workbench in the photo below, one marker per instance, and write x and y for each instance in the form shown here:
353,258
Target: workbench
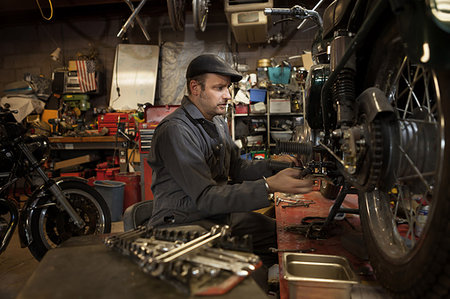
344,237
83,267
94,143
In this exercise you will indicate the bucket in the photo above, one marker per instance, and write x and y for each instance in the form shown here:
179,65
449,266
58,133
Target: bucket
112,192
257,95
132,193
279,75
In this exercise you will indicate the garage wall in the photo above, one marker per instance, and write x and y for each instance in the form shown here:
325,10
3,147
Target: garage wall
27,48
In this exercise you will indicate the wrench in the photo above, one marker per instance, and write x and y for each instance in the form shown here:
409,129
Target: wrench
275,250
239,268
298,204
192,245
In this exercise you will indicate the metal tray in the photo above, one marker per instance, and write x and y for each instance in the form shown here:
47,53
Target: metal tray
318,276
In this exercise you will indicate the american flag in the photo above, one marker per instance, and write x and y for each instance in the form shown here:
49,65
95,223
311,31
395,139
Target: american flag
86,75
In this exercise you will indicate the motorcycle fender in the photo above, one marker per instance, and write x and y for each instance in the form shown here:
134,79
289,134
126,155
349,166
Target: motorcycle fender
29,208
372,101
25,218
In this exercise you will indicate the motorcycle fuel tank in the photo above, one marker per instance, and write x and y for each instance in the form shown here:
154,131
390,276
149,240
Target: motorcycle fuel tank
317,76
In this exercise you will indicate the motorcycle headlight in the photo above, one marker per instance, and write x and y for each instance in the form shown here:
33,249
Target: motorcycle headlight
39,146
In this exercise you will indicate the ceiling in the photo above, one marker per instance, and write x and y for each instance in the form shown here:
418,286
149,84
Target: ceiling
15,12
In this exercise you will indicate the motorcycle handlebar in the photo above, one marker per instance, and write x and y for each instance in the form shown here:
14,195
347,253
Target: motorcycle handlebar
295,11
278,11
8,112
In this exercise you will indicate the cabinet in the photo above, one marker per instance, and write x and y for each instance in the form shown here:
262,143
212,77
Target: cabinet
261,125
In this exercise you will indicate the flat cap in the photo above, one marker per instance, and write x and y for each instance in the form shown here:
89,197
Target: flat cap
211,63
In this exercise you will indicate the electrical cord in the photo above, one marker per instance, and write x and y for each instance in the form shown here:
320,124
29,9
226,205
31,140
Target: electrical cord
117,76
42,13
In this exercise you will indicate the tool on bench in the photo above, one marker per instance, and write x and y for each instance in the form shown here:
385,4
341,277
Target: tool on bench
192,261
294,201
275,250
298,204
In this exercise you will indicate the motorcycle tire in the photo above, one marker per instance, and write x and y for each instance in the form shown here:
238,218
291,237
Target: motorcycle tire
408,245
50,226
329,190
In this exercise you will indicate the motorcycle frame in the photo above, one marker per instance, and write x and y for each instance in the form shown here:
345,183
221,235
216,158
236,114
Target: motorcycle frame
430,34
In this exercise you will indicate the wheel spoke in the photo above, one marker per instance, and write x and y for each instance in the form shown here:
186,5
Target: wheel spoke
412,95
414,167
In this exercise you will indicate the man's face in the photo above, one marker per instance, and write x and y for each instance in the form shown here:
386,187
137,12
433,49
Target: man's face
213,99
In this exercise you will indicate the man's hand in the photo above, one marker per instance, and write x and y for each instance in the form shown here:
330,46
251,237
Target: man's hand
288,181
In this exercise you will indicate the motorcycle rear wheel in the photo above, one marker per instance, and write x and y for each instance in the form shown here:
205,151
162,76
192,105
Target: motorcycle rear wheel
50,226
409,245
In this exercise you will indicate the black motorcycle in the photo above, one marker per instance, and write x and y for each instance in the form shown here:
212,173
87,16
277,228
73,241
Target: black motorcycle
54,210
377,105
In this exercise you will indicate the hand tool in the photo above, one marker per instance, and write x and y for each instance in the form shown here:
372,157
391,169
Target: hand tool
275,250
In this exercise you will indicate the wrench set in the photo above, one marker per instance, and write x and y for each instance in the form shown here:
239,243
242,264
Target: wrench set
194,260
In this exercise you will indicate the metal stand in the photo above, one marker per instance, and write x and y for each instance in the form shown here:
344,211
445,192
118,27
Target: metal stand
133,16
317,227
336,208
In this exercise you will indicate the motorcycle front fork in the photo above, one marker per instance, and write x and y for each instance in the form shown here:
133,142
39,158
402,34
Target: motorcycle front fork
53,187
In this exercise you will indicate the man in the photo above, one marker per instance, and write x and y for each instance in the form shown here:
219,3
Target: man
193,157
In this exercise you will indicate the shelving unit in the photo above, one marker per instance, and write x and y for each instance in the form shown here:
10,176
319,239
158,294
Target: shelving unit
268,120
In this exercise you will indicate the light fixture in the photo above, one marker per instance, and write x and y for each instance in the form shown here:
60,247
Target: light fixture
55,55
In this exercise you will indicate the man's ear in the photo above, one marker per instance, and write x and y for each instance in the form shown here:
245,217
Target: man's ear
195,87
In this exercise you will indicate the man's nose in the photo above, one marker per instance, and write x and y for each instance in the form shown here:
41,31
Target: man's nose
226,94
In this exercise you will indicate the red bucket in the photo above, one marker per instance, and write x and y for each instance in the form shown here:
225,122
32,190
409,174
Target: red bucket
132,193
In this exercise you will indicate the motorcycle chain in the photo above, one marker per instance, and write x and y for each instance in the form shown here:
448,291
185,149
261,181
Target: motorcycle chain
376,140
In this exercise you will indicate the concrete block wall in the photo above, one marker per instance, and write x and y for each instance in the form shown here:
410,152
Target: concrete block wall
27,48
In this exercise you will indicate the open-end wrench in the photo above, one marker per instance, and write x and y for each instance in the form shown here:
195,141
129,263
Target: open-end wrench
237,267
275,250
298,204
193,244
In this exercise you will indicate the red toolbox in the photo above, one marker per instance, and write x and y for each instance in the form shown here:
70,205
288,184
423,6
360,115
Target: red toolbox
157,113
113,120
146,131
153,115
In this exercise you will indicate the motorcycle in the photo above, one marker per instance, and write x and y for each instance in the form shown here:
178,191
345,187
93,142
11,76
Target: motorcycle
378,105
54,210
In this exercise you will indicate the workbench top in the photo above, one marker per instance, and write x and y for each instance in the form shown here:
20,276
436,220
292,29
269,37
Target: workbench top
343,234
78,139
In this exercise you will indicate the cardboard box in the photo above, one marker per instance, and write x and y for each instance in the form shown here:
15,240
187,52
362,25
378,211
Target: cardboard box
280,106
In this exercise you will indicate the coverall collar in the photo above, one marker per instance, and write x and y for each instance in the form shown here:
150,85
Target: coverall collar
191,108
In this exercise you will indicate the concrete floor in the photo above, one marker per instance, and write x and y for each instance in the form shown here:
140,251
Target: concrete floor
17,264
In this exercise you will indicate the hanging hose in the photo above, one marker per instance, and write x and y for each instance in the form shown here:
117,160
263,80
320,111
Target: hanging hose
51,10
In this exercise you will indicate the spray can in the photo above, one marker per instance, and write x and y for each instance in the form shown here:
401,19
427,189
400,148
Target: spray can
421,219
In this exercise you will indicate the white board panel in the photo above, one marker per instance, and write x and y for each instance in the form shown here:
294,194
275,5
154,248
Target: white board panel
134,76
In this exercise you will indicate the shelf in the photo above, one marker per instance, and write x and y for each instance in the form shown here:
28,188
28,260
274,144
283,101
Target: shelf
269,118
286,114
271,114
251,114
